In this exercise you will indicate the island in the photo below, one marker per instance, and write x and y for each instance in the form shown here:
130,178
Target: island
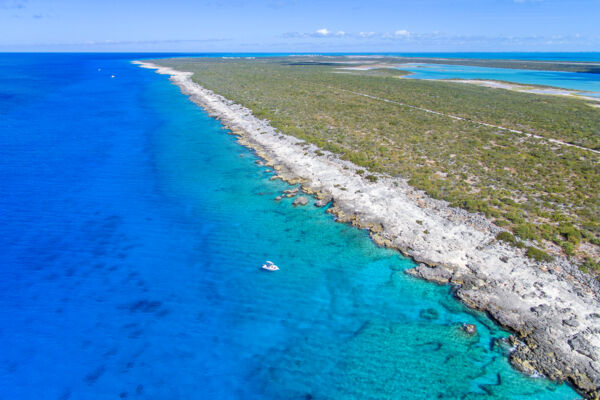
491,189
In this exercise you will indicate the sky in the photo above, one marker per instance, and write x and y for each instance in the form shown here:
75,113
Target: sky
300,25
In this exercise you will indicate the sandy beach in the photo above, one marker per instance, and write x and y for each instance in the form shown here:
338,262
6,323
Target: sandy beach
553,308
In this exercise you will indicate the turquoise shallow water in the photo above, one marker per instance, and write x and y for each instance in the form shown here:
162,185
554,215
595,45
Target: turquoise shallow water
132,229
588,84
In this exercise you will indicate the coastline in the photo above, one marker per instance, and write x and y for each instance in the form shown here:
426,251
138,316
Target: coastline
554,309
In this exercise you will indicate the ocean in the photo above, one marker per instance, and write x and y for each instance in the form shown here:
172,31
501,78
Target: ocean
132,230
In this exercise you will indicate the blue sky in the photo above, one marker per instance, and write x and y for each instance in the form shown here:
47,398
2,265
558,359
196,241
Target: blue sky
300,25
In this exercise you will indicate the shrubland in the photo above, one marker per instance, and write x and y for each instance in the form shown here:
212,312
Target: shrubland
546,194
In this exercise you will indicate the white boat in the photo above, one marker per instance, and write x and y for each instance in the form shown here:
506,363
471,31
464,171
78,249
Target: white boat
269,266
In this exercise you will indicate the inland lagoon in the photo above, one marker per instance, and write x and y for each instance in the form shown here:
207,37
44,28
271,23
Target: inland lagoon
132,232
587,84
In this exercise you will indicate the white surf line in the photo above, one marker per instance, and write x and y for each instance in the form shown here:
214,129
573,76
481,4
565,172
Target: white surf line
554,141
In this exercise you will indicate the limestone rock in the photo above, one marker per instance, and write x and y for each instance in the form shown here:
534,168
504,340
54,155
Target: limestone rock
438,275
322,202
469,328
300,201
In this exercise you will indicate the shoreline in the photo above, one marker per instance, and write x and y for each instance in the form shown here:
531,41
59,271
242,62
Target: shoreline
553,308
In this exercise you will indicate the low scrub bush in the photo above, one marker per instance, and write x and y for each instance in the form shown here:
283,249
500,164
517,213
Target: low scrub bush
507,237
538,255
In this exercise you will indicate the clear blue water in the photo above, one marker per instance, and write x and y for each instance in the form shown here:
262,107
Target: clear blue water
131,232
587,84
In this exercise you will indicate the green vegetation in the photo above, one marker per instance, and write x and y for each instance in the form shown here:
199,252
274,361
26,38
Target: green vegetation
544,193
538,255
506,237
590,265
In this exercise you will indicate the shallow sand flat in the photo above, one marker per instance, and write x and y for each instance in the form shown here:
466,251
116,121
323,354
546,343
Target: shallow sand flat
554,309
524,88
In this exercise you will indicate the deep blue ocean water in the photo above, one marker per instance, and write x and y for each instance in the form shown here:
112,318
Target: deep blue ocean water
132,228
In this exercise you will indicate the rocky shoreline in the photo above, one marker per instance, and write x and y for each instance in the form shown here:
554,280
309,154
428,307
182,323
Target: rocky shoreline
552,308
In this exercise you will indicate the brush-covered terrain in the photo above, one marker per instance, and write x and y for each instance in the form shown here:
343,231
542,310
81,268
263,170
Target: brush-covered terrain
543,191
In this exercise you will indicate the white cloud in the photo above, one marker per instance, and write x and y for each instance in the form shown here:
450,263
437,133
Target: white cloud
438,39
319,33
